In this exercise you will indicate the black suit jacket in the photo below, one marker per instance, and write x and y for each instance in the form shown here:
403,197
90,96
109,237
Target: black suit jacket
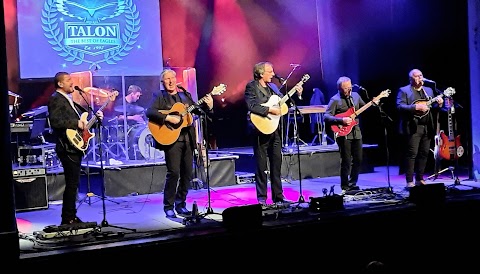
406,96
62,117
254,96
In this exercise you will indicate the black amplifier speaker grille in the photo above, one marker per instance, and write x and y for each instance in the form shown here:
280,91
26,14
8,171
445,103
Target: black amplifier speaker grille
30,189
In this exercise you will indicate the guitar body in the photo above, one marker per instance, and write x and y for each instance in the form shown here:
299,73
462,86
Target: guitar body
343,130
450,149
268,124
419,114
168,133
80,138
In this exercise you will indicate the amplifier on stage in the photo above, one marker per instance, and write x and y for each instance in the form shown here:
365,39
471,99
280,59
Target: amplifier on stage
40,155
30,189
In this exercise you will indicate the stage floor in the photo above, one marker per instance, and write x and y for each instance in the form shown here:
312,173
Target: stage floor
132,218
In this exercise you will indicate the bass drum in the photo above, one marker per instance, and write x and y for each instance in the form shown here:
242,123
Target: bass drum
141,144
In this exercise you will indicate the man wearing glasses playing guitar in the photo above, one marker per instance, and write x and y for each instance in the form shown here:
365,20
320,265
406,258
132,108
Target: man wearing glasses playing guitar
414,102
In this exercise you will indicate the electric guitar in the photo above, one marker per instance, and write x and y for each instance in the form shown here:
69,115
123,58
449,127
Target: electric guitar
342,130
447,93
450,147
268,124
168,133
80,138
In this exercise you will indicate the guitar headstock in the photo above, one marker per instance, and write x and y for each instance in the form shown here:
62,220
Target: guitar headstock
449,92
112,95
305,78
384,94
219,89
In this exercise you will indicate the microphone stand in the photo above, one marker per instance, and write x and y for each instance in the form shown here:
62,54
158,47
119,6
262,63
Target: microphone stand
195,217
301,199
384,117
102,173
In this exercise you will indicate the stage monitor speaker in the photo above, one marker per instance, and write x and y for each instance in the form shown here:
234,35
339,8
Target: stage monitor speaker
30,192
243,217
429,195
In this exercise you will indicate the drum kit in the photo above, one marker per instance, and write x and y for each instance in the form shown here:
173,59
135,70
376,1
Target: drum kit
133,143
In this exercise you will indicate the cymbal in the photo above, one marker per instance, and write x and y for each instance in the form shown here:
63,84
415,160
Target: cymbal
129,109
97,91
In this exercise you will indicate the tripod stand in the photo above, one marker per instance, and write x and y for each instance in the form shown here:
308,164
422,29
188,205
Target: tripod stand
104,222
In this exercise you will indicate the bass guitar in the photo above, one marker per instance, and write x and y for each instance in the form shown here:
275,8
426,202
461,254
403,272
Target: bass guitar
447,93
268,124
168,133
450,147
342,130
80,138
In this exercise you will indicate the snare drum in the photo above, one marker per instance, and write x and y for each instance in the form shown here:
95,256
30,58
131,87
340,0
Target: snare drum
141,144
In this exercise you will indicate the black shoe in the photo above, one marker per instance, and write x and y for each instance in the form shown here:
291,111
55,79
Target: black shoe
354,188
284,202
170,213
262,202
75,220
182,211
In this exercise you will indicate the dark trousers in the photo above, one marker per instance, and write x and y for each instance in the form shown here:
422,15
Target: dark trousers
416,154
350,160
71,167
267,150
179,162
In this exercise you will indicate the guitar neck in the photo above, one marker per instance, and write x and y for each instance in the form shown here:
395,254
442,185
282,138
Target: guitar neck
288,95
192,107
362,109
94,118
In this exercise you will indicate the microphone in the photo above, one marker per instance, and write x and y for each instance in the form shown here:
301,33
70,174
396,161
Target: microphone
295,65
358,86
77,88
428,80
281,79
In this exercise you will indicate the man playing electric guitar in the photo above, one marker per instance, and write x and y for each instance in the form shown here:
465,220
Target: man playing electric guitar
64,114
350,145
179,154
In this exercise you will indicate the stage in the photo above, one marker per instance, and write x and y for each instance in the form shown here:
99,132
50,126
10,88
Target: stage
133,228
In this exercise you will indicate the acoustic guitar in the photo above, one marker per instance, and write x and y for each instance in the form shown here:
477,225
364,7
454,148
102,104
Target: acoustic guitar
343,130
268,124
80,138
168,133
447,93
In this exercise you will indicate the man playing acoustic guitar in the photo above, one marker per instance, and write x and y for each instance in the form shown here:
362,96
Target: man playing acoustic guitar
178,152
416,124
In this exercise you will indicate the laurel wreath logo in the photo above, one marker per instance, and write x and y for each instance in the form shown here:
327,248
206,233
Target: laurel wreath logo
111,57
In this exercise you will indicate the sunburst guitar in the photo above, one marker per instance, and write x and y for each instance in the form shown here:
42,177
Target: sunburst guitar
80,138
168,133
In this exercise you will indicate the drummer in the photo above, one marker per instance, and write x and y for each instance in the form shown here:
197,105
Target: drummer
134,112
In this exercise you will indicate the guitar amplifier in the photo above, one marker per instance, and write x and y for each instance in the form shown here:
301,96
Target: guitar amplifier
30,187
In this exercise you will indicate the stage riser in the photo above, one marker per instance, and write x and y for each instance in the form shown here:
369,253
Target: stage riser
313,165
151,179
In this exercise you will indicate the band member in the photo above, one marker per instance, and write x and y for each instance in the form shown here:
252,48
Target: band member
133,112
64,114
350,145
179,155
416,125
267,148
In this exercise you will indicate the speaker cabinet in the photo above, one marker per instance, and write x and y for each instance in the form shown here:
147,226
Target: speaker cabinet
243,217
30,192
430,195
